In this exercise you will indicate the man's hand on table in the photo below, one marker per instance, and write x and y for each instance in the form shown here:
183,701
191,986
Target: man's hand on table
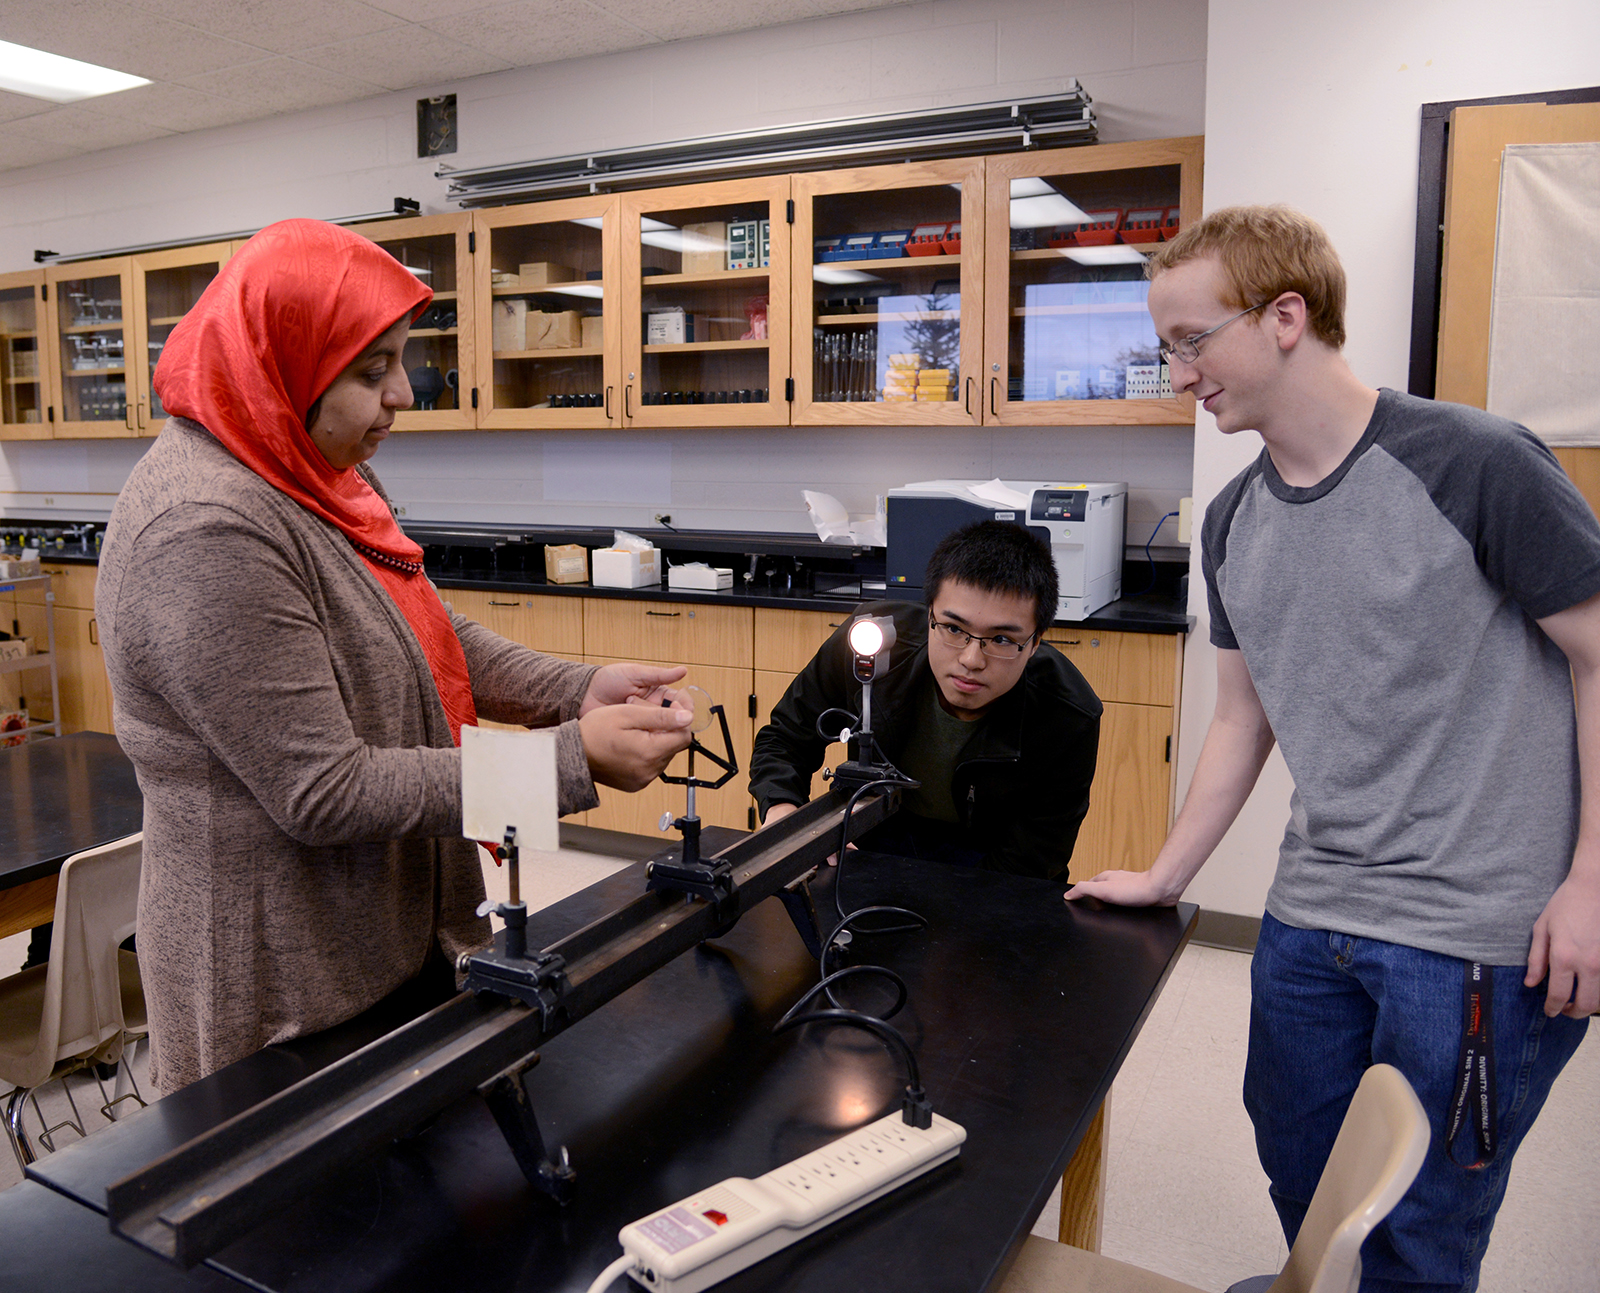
1124,888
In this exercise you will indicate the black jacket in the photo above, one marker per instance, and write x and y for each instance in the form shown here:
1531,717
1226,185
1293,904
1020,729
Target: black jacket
1022,783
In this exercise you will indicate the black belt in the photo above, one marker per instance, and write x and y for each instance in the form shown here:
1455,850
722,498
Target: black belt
1475,1066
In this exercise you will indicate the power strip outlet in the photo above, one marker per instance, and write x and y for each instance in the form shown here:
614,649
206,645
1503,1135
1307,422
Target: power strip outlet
735,1223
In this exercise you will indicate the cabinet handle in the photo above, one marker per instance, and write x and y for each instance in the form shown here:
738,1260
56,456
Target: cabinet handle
608,403
832,625
967,402
495,603
94,632
666,615
627,401
994,385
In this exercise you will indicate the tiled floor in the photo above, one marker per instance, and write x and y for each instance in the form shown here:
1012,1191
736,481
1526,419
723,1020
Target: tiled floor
1184,1194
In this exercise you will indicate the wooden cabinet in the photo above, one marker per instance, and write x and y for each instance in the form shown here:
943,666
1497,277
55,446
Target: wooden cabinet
106,324
440,350
883,337
1137,677
1067,337
558,262
705,304
785,643
81,669
25,412
553,625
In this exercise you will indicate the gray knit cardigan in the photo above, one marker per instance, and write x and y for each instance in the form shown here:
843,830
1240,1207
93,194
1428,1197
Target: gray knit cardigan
302,795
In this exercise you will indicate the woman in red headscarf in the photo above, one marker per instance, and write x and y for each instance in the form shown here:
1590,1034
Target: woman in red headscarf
288,683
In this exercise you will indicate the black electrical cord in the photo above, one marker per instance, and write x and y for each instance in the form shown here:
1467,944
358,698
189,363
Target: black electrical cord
915,1108
830,737
1147,555
826,985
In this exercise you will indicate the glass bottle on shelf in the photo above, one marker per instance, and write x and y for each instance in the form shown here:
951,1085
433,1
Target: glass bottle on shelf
894,255
437,353
705,339
1069,335
23,404
92,331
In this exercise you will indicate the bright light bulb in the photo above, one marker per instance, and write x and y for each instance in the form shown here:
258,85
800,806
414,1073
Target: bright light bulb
866,638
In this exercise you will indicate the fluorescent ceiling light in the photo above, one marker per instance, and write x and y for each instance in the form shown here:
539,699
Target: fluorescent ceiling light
1112,255
598,222
60,80
827,274
594,290
1029,188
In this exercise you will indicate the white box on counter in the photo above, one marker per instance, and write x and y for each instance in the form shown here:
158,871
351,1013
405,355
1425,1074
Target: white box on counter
623,568
700,578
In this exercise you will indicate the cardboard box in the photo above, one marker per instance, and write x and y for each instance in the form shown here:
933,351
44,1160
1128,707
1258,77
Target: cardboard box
705,247
14,649
665,328
700,578
592,332
559,330
510,316
625,568
537,273
566,564
25,364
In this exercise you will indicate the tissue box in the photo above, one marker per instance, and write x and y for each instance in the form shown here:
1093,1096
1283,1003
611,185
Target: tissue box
539,272
555,331
510,324
708,579
625,568
566,564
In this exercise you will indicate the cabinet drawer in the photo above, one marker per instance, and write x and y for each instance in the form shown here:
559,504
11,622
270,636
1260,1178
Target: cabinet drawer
72,585
786,640
553,625
770,689
1132,668
672,633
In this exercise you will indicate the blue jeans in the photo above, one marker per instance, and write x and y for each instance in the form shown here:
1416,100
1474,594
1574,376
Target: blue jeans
1324,1007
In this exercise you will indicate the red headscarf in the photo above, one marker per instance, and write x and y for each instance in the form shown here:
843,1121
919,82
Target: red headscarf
286,316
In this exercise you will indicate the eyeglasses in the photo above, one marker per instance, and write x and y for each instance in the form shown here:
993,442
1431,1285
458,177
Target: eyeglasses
1002,646
1188,348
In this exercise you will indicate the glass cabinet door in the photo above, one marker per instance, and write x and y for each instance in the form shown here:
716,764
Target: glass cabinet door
893,331
1068,337
90,326
548,355
166,285
440,345
705,325
24,406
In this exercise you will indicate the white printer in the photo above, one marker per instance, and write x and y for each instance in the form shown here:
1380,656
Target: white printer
1084,524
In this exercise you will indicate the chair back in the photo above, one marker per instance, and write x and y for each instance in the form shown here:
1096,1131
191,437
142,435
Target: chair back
1377,1155
97,903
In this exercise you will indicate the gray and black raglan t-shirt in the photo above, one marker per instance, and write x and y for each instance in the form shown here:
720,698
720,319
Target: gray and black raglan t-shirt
1386,615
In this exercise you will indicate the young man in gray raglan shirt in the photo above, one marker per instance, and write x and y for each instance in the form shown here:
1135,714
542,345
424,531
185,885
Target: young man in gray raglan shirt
1405,597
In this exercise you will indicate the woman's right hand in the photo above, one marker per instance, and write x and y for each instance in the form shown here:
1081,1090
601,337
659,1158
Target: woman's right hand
628,745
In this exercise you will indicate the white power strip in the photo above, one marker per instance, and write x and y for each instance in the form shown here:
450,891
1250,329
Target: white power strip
721,1230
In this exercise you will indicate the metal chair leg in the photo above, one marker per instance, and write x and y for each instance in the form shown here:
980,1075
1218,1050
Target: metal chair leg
14,1129
118,1095
75,1122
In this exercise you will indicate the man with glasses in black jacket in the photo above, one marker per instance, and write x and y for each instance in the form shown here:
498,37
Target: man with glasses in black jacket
998,727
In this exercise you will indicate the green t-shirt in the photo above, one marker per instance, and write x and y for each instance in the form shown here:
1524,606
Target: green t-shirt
933,747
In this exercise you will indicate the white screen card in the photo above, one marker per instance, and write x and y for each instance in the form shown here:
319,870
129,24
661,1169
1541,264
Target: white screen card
509,779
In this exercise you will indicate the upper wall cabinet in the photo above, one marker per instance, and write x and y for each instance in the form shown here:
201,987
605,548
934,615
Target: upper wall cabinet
108,321
888,295
439,353
705,306
547,278
1067,337
24,359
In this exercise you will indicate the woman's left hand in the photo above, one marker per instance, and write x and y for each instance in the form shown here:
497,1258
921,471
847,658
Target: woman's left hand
617,684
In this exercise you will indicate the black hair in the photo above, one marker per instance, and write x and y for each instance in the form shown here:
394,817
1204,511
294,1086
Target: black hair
996,557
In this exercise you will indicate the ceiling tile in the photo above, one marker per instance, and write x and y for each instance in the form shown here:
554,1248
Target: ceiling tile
689,18
282,84
120,36
531,32
404,57
13,106
15,151
282,26
176,107
84,129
